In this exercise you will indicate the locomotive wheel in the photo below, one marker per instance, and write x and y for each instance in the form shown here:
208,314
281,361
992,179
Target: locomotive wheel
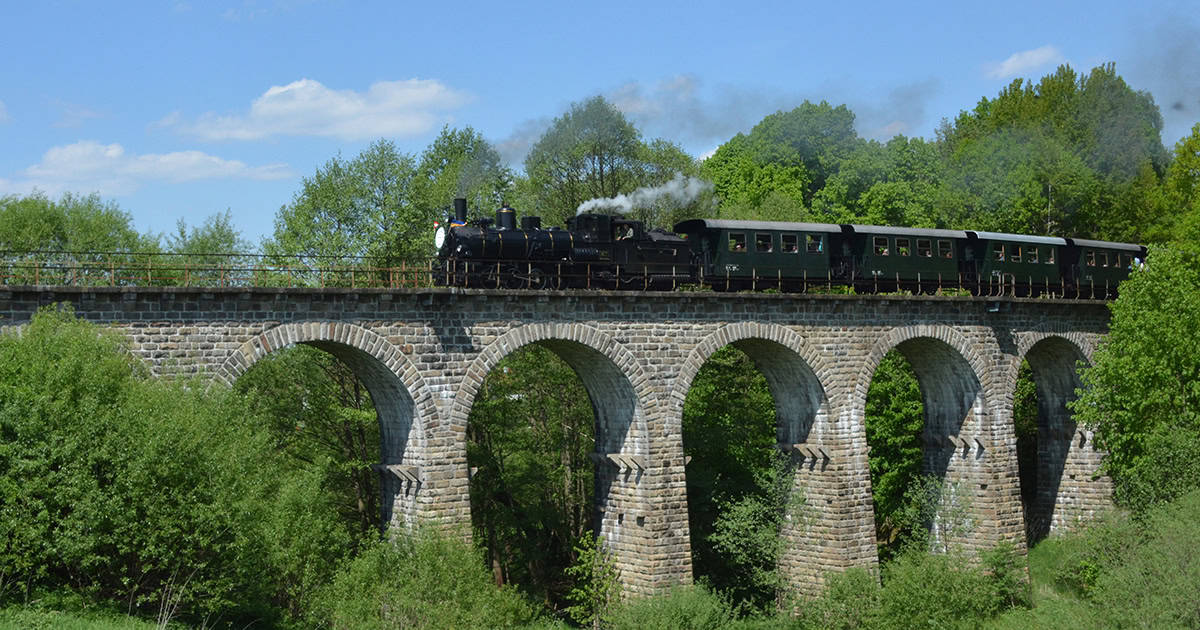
537,279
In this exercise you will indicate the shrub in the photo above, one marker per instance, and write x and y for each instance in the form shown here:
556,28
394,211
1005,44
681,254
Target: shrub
684,608
1156,582
424,580
850,600
163,498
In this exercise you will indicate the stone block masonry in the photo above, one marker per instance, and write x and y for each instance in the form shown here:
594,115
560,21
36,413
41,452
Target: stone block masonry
424,353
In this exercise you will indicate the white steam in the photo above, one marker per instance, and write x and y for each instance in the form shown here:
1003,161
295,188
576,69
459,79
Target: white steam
683,190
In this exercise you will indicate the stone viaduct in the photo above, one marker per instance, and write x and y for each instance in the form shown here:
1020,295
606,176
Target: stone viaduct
424,353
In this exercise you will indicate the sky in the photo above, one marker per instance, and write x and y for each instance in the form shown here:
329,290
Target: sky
183,109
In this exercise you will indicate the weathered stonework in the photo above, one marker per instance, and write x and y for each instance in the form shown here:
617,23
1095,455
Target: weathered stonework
424,354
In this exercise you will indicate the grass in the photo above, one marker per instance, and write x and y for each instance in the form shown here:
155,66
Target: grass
1054,605
31,618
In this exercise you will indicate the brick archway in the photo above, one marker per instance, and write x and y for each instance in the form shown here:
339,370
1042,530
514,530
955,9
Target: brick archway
1066,487
631,480
402,402
957,438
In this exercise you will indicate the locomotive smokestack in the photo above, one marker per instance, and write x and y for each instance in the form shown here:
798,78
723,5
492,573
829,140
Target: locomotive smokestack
460,210
506,218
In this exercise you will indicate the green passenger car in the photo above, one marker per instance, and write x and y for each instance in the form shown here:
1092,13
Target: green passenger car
1005,261
761,254
910,259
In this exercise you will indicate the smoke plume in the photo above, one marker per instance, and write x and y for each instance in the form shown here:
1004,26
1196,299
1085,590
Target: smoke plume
682,190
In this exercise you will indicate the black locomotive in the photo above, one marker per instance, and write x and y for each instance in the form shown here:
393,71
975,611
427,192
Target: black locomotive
611,252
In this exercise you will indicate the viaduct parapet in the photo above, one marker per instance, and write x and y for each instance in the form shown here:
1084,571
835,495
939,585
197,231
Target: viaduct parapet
424,353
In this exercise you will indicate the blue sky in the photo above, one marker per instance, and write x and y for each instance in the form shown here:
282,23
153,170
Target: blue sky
183,109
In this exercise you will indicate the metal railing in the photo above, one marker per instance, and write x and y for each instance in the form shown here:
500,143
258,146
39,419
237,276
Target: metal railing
121,269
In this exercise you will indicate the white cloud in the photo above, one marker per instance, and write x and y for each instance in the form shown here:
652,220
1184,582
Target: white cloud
3,113
308,108
1024,61
89,166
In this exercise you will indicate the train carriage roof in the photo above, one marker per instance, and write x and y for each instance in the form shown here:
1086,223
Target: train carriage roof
906,231
1017,238
1127,247
695,225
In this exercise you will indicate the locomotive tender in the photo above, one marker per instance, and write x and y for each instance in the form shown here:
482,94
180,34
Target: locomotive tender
600,251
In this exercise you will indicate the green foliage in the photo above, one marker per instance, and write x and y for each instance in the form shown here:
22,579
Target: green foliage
593,151
73,223
895,419
1156,584
157,495
1141,394
684,608
530,432
353,208
923,590
460,163
596,588
426,580
736,492
321,418
850,600
1057,157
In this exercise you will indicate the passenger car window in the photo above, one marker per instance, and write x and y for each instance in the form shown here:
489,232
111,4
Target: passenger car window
924,248
902,247
1091,259
1032,255
815,244
998,251
737,242
1016,253
945,249
881,246
762,242
791,244
1050,256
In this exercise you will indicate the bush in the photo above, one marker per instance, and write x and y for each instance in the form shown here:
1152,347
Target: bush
850,600
923,590
161,498
684,608
1156,582
426,580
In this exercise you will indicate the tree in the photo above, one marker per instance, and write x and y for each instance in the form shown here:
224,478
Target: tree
165,497
1070,155
73,223
322,419
895,419
741,179
1181,194
353,208
590,152
201,251
594,152
735,489
530,432
1142,392
460,163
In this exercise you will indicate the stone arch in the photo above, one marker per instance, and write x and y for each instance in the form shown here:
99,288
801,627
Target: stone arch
627,469
784,359
402,401
827,473
601,364
1066,487
955,385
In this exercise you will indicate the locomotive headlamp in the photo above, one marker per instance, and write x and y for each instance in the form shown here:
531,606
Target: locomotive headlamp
439,236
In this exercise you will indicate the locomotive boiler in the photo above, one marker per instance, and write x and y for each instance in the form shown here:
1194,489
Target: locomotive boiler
597,251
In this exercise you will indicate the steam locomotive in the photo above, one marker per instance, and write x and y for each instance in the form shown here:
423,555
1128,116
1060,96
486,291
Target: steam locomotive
600,251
